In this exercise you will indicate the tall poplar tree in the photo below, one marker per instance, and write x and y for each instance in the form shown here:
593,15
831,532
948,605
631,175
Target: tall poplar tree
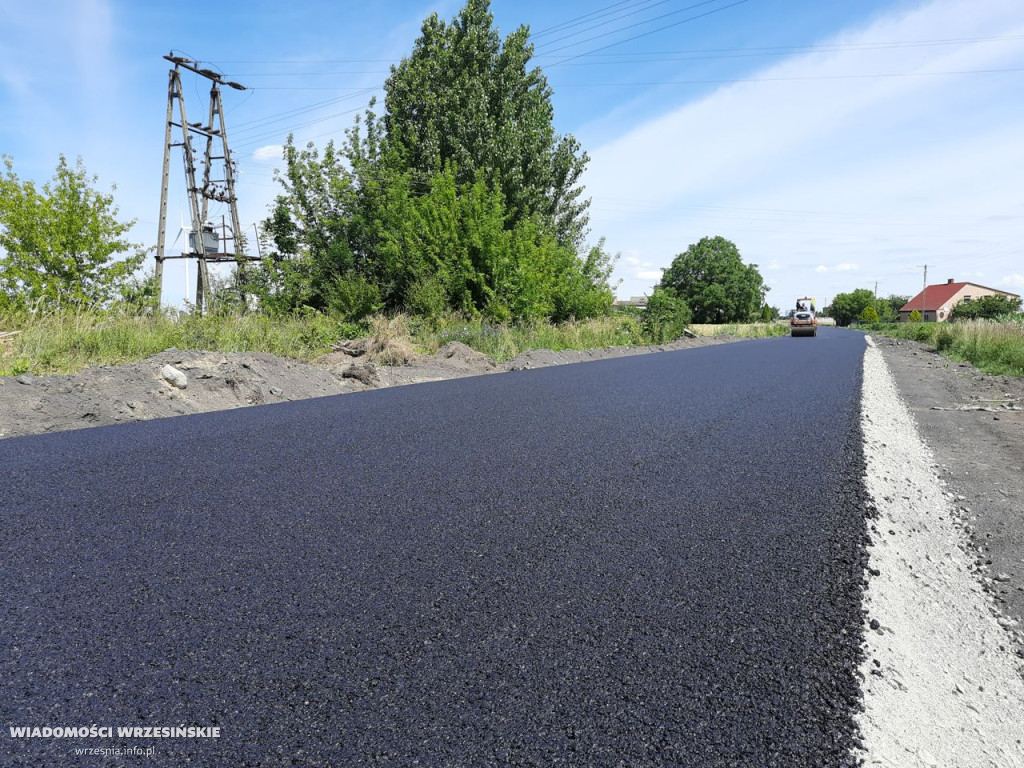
466,99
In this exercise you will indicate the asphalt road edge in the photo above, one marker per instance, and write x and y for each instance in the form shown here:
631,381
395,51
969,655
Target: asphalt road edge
942,686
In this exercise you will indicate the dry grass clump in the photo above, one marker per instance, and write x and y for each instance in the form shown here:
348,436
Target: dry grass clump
390,340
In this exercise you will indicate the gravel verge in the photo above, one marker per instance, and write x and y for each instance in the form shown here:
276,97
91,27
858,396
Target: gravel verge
942,686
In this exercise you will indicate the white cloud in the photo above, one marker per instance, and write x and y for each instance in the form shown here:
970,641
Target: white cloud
649,274
821,268
1013,281
269,152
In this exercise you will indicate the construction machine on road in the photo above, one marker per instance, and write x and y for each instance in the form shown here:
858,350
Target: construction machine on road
803,321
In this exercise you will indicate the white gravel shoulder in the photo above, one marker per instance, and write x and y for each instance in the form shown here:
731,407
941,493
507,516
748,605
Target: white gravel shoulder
942,686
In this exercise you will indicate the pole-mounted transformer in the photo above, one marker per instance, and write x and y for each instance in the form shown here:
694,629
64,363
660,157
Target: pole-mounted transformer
205,243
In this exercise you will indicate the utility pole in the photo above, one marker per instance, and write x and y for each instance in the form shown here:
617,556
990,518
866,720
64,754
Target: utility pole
203,244
924,291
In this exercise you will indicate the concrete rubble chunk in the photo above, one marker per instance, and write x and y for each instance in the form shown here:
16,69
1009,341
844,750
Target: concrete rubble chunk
174,377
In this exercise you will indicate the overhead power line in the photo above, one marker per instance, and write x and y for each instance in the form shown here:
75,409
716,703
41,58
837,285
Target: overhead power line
251,140
634,11
655,31
629,26
796,78
579,19
737,53
709,52
248,135
728,81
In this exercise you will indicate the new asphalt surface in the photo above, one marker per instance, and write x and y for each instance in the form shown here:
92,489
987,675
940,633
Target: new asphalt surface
653,560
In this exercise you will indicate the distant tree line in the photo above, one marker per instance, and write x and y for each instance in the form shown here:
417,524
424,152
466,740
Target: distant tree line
851,307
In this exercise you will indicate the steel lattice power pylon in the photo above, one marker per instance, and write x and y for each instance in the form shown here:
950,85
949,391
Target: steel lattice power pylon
206,242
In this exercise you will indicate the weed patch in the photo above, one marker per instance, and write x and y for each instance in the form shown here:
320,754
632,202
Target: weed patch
995,347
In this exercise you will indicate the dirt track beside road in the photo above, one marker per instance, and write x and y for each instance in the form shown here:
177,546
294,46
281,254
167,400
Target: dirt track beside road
974,424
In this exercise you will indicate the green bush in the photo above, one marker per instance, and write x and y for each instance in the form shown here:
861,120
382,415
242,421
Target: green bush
869,315
915,317
427,298
943,338
666,317
353,298
986,307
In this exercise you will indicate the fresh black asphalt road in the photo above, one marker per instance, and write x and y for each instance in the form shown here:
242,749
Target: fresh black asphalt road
652,560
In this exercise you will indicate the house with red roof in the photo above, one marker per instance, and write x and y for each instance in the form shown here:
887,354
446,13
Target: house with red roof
936,302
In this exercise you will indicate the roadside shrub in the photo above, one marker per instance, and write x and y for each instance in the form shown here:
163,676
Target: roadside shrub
869,315
986,307
353,297
666,317
944,338
427,298
920,332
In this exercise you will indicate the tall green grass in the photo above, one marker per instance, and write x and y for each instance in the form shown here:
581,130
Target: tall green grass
742,330
993,346
65,343
505,341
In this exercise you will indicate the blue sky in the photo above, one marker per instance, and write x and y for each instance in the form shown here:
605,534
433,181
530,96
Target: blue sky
838,144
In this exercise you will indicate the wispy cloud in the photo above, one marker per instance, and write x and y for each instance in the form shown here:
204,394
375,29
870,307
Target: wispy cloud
850,167
269,152
1013,281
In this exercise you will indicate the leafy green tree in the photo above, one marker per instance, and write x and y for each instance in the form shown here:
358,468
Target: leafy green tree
61,241
986,307
846,307
666,316
889,308
308,230
467,99
712,279
868,315
138,293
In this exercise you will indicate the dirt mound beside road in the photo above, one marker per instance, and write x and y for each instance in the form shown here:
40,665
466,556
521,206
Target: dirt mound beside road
111,394
218,381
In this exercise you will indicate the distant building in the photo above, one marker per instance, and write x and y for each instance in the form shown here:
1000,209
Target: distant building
936,302
640,302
